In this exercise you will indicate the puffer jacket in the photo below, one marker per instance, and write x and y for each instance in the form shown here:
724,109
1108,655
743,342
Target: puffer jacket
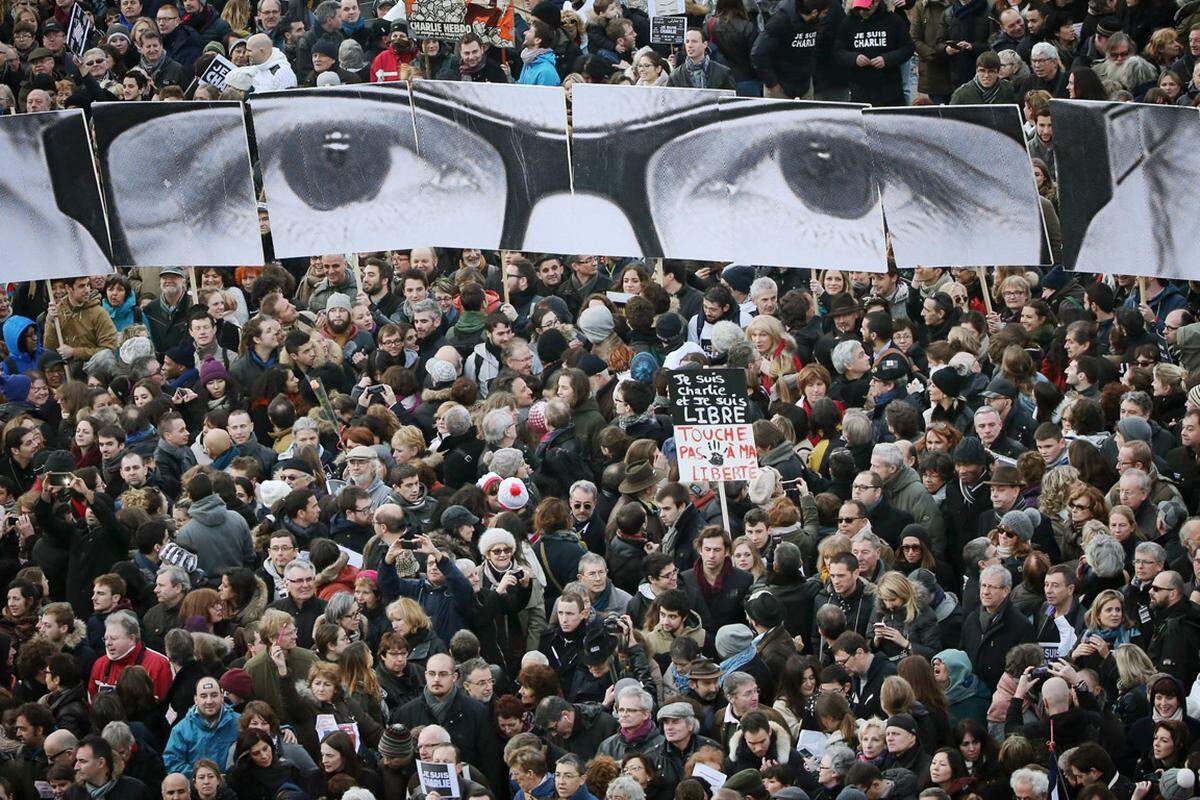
194,738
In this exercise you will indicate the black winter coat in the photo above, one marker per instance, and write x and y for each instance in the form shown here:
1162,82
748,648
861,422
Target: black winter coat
988,647
93,551
725,607
470,727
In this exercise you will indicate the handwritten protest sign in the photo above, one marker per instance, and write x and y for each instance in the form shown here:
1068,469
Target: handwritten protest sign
713,435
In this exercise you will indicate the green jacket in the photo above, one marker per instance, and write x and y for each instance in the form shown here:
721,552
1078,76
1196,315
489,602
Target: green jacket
969,94
264,676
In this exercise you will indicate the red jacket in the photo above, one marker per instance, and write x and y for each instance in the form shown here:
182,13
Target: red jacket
386,66
106,671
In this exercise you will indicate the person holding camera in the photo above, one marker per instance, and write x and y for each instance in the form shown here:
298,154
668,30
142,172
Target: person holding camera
444,592
505,589
1067,705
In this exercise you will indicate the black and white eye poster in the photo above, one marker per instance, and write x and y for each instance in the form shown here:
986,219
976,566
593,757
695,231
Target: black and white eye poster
497,155
710,413
958,186
798,192
341,173
50,203
1127,176
178,182
624,139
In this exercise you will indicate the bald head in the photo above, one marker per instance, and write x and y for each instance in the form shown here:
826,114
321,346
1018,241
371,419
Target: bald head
216,442
60,741
176,787
449,354
259,48
1057,695
390,516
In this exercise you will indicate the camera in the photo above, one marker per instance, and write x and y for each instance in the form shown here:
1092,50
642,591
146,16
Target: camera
61,478
376,389
1040,673
612,623
519,574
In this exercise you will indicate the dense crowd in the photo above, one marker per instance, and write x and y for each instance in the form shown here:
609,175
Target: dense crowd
287,531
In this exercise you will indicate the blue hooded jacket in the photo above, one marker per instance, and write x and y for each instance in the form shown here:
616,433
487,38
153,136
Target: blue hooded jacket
194,738
18,360
541,71
123,315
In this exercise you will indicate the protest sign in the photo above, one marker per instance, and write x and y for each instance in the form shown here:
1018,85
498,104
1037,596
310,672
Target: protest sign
79,30
667,30
440,778
217,72
327,724
713,777
448,20
713,435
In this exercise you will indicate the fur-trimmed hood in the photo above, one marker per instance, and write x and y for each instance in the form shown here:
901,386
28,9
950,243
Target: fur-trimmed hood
258,603
783,742
435,395
77,634
331,573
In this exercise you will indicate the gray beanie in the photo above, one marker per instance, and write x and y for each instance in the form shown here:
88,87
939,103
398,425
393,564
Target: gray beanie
1022,522
506,461
350,55
440,371
732,639
596,323
1134,429
329,78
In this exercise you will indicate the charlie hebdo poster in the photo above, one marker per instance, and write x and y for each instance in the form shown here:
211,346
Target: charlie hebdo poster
448,20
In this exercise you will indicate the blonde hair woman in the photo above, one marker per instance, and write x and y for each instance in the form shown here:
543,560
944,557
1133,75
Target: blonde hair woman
899,625
410,621
776,349
829,547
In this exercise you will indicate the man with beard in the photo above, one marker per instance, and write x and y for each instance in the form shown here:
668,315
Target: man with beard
473,64
362,470
351,527
377,276
401,50
341,329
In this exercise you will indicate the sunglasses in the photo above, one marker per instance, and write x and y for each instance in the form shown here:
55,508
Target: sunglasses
848,519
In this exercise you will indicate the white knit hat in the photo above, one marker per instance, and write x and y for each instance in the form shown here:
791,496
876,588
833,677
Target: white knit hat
513,494
494,536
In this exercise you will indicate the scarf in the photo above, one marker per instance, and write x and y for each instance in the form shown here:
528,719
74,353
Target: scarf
494,575
1178,715
959,10
122,315
96,792
736,661
23,627
222,461
466,72
440,708
988,95
626,421
696,73
640,732
531,54
715,588
1112,636
184,454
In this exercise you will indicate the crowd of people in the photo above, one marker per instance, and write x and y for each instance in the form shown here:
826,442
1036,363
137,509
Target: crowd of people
287,531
